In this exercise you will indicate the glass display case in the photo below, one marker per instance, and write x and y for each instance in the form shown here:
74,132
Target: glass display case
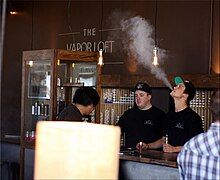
49,80
38,93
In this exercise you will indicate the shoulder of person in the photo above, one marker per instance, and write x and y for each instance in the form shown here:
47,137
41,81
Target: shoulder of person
194,114
158,113
67,109
127,113
130,111
158,110
195,141
170,113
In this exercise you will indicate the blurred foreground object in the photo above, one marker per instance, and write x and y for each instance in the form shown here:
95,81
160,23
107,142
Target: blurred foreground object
76,150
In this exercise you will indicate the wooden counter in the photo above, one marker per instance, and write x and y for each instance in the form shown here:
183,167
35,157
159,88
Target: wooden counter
150,164
10,138
152,157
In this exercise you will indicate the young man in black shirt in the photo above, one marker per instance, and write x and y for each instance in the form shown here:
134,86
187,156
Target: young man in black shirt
84,101
183,123
144,122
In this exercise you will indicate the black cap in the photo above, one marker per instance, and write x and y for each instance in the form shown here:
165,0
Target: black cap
189,87
142,87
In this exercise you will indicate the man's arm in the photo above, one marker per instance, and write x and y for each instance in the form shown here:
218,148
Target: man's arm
170,149
160,143
154,145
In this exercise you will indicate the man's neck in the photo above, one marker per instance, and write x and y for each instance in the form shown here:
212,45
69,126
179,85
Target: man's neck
146,107
80,107
180,105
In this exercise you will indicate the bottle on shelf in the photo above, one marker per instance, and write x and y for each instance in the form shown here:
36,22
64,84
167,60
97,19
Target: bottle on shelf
35,108
27,137
32,136
166,139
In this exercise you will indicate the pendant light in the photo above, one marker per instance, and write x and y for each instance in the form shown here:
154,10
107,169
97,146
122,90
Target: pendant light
155,49
100,61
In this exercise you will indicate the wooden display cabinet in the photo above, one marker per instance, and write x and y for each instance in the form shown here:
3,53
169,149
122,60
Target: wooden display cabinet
49,80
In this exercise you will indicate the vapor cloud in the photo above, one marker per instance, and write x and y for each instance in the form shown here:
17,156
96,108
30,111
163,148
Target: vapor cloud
138,42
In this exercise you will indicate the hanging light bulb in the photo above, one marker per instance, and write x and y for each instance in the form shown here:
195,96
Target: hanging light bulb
155,58
100,62
31,63
73,65
155,50
13,12
58,62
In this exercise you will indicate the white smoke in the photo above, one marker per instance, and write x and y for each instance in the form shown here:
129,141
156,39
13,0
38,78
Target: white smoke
139,43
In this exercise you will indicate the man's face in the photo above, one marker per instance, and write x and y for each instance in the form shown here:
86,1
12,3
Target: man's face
142,99
178,91
89,109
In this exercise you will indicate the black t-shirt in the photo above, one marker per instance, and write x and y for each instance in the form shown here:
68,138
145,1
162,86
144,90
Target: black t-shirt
182,126
70,113
141,125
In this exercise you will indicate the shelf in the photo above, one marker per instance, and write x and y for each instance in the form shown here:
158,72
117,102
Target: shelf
72,85
117,103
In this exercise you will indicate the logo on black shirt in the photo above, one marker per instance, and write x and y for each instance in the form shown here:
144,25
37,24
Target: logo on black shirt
179,126
149,122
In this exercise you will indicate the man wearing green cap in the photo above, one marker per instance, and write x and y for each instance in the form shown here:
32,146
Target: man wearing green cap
181,124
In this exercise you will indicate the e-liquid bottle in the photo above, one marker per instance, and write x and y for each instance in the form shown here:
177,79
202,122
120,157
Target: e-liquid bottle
166,139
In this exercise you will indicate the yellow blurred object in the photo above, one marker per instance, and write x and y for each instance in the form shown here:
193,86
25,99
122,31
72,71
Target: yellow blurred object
58,62
31,63
100,62
155,59
76,150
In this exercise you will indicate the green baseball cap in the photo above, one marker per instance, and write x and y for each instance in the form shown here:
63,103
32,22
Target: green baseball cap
178,80
189,87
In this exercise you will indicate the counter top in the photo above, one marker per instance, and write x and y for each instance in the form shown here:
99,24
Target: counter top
151,156
10,138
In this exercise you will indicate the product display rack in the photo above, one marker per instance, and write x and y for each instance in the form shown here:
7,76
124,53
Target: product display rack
49,80
201,104
114,102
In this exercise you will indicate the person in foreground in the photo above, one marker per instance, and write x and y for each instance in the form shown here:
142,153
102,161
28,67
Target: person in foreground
200,157
144,122
84,101
181,124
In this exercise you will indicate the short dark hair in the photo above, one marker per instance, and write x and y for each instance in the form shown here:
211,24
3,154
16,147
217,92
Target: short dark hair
86,96
214,105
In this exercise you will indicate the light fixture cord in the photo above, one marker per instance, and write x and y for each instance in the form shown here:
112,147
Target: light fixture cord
211,36
155,24
68,19
101,21
32,26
